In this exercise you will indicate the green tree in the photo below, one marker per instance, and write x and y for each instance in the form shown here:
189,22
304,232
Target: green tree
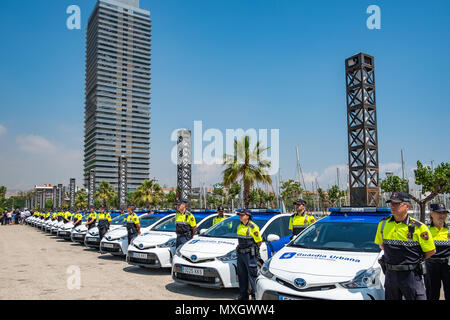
81,199
323,199
246,165
334,195
436,181
149,192
290,192
394,184
104,193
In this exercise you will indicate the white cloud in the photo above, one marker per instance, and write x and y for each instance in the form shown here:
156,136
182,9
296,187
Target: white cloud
2,129
35,144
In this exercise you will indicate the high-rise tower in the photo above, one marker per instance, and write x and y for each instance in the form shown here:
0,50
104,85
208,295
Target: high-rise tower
117,107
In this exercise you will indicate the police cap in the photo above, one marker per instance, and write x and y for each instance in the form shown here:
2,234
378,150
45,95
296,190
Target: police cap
245,212
300,202
220,209
181,202
398,197
438,207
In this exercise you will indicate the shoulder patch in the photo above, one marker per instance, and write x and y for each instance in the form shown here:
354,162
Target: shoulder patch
252,225
256,234
424,235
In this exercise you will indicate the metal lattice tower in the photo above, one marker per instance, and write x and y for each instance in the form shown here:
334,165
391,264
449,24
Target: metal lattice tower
184,167
362,131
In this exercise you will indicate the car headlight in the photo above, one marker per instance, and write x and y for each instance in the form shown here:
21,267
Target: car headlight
169,244
93,234
230,256
365,279
265,269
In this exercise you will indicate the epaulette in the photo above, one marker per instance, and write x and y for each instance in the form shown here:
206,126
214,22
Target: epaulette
252,225
416,223
385,218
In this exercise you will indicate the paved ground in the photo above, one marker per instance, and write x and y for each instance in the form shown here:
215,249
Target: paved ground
34,265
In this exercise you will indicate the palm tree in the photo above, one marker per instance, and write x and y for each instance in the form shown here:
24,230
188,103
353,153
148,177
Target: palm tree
104,192
81,199
149,192
246,165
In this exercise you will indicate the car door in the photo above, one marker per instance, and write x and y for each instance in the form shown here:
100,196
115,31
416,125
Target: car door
279,227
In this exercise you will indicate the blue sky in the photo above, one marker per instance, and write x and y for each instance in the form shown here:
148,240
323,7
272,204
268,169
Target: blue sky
275,64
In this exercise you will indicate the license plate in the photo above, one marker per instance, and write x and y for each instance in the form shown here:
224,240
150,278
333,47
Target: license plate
282,298
193,271
93,239
108,245
139,255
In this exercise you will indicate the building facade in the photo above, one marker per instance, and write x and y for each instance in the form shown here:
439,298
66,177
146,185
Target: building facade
117,106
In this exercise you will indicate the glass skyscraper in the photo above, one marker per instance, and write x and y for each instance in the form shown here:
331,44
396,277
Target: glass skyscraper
117,106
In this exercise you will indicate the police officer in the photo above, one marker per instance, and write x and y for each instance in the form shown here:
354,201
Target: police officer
186,226
133,224
104,220
250,240
67,216
77,218
406,243
301,219
220,217
92,217
438,266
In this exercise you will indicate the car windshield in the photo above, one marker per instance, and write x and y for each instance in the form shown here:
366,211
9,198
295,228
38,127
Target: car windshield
149,220
119,220
169,225
228,228
341,236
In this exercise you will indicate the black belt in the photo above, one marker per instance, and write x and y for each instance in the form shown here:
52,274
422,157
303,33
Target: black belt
442,260
248,250
401,267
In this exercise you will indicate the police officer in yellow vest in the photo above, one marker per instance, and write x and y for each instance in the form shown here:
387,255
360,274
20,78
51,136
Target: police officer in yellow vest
104,221
185,223
67,216
438,266
301,219
250,240
406,243
77,218
92,218
133,224
220,217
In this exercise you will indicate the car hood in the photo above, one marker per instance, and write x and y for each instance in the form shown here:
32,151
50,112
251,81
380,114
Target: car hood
82,228
204,247
294,262
117,233
154,238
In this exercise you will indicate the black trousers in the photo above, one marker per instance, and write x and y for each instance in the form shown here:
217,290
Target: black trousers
103,227
182,240
407,284
131,237
437,273
247,270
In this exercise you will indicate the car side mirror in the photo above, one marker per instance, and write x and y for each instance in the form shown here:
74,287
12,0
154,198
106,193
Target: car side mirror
202,231
273,238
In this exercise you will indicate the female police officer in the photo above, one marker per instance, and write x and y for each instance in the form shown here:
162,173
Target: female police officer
250,240
133,224
437,267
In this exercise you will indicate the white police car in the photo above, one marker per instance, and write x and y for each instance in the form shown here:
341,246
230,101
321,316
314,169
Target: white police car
211,259
155,249
335,258
92,238
115,242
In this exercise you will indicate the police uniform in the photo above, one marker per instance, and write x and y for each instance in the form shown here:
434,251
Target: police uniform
438,266
404,245
299,222
92,217
247,256
184,223
78,217
67,216
219,218
104,219
132,222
